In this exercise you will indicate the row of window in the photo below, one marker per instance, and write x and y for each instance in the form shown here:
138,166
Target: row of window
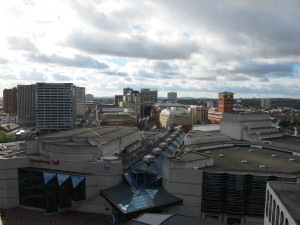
235,193
274,215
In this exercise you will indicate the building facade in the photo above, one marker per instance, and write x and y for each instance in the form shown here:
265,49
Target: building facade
172,97
265,102
55,106
148,97
282,204
10,100
225,104
26,104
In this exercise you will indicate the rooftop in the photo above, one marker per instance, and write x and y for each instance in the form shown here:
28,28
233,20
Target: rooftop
168,105
246,159
202,134
102,134
289,194
287,140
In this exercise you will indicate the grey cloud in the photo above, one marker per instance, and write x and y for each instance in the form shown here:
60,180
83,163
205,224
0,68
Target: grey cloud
32,76
162,66
267,29
21,43
61,77
3,61
137,46
116,73
89,14
254,69
76,61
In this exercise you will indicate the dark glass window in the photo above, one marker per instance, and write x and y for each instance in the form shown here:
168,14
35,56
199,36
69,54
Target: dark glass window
48,190
233,221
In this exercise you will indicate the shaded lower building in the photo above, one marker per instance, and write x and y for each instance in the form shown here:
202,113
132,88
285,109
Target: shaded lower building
282,204
26,104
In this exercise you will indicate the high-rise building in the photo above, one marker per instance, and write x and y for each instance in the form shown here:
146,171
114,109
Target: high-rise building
127,90
265,102
172,97
26,104
225,103
80,101
148,97
118,98
10,100
55,106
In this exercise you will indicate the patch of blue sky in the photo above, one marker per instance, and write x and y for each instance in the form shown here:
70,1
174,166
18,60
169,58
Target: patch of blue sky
296,70
187,34
138,28
119,62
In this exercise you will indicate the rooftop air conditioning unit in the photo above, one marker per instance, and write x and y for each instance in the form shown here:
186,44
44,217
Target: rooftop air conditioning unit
262,166
195,168
250,150
221,155
292,160
178,158
207,134
244,161
273,155
207,152
237,147
149,158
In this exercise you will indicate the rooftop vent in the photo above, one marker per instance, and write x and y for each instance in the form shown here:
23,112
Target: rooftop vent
244,161
149,158
262,166
273,155
292,160
250,150
195,168
237,147
207,152
221,155
178,158
207,134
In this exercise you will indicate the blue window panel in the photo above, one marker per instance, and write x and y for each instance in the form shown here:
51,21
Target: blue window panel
76,180
61,178
48,176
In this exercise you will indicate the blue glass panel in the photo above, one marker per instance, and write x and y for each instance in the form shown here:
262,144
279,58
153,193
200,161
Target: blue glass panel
48,176
76,180
62,178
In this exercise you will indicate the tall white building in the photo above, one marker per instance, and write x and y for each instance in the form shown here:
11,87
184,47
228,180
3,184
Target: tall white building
55,106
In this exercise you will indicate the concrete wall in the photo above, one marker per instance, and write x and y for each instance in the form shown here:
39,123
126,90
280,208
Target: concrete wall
9,191
181,180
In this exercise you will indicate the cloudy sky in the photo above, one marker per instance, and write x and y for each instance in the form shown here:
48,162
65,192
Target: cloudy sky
197,48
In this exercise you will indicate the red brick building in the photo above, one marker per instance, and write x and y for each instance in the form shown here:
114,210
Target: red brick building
10,100
225,104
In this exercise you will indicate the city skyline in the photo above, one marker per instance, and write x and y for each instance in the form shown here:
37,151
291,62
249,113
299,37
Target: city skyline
195,48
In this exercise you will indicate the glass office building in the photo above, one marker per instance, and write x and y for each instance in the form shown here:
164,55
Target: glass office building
49,190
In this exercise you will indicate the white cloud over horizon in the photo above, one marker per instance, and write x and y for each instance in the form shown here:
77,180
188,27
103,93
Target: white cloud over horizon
197,48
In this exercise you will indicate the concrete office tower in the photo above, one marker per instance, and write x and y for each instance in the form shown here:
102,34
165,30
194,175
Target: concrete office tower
26,104
80,101
55,106
225,103
10,100
172,96
148,97
265,102
89,97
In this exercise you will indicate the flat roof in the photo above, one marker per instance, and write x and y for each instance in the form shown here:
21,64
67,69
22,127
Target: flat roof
289,194
190,156
286,140
101,134
207,127
195,134
168,105
230,159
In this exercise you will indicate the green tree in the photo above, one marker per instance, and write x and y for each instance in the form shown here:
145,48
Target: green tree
6,137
